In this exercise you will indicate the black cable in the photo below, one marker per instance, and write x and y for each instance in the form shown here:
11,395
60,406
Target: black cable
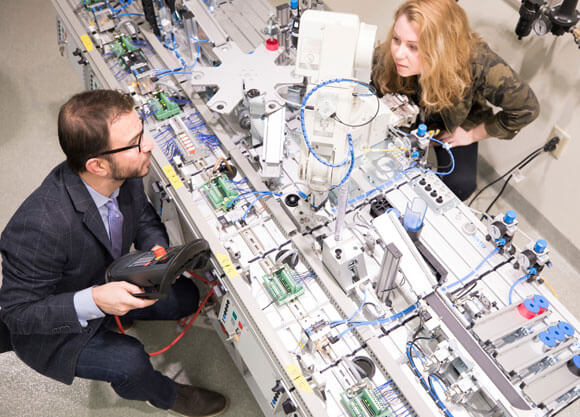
374,92
532,154
349,355
547,147
465,290
504,186
271,302
489,271
507,181
401,324
422,338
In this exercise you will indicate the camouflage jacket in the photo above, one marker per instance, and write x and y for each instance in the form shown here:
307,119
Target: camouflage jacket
493,81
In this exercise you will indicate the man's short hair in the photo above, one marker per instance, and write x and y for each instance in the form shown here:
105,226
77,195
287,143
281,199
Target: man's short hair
84,122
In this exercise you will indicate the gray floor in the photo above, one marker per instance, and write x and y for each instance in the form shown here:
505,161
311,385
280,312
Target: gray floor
34,81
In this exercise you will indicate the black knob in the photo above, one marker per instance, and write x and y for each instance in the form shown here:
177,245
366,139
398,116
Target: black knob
288,406
77,52
423,181
291,200
428,187
439,199
278,387
434,193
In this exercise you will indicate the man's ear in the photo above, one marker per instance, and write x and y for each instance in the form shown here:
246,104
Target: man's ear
98,166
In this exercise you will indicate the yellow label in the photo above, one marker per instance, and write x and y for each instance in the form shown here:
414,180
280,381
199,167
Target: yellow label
172,176
299,381
87,42
227,265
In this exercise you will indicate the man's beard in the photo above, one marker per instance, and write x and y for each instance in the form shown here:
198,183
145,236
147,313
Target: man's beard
120,174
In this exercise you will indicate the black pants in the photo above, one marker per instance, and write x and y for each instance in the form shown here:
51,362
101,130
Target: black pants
122,360
462,181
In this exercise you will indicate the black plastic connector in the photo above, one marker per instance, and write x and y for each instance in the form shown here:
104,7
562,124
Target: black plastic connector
551,144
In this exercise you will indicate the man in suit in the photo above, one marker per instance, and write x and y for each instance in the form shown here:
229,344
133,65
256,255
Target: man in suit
88,211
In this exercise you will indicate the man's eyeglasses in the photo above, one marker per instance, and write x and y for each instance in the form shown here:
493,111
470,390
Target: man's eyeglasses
124,148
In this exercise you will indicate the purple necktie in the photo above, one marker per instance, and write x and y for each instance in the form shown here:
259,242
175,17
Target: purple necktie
115,228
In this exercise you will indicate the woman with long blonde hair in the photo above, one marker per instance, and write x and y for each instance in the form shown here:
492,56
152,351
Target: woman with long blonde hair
432,55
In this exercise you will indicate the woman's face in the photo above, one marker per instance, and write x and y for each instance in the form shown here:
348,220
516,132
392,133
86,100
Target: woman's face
405,48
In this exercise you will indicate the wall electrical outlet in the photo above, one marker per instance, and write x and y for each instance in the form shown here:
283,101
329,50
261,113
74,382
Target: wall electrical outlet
564,138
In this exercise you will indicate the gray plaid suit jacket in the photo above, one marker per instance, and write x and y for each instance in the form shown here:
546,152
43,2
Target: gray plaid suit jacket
54,245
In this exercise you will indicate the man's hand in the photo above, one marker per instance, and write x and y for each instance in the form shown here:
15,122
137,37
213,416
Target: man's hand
117,298
462,137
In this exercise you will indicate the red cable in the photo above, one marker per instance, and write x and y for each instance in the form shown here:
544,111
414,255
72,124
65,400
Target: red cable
169,346
166,348
119,325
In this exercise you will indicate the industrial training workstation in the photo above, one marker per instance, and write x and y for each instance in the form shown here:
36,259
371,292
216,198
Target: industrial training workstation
346,277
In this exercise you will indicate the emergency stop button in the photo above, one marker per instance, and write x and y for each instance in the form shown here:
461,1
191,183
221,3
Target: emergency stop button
159,253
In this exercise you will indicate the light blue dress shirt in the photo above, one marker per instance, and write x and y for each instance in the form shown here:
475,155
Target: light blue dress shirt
83,300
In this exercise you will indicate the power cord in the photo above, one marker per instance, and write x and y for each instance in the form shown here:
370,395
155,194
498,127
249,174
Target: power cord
547,147
189,323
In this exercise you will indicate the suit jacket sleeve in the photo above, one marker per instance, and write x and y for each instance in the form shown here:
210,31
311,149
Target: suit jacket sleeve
33,263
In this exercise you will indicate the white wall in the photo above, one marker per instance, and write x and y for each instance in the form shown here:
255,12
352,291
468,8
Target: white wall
551,66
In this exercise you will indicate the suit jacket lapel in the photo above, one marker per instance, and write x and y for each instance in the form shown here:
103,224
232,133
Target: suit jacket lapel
84,204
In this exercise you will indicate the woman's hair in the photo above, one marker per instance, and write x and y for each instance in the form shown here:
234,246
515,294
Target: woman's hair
445,45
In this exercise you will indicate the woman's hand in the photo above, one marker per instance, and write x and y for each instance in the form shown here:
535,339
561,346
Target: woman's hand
462,137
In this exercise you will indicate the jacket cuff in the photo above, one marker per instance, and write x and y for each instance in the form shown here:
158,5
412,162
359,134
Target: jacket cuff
495,129
85,307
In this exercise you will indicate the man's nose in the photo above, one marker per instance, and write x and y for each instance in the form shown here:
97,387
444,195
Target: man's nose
147,144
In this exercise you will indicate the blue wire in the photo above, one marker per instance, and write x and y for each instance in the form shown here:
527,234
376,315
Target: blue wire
379,321
115,11
197,41
339,322
179,101
400,131
436,396
129,14
162,132
351,155
446,146
438,381
514,285
229,204
173,72
256,200
124,6
459,281
360,307
303,124
414,368
417,353
242,181
428,385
